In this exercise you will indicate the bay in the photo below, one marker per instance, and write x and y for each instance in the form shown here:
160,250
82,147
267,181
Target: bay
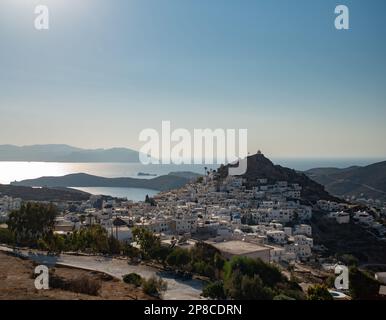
135,194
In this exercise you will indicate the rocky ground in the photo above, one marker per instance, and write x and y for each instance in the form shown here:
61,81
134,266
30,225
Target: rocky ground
17,283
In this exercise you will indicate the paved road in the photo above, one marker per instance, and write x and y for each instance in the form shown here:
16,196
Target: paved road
177,289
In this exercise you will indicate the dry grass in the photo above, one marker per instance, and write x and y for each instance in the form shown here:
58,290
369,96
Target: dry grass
17,283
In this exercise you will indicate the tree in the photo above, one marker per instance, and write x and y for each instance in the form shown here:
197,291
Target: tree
246,278
31,222
269,274
246,287
219,261
214,290
362,285
92,239
178,258
161,253
131,252
203,268
254,289
52,243
82,218
151,201
115,246
318,292
148,242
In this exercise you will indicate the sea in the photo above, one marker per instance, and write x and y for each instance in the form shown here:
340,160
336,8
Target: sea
16,171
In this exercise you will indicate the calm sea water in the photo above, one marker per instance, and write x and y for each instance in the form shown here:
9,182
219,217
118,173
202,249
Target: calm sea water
135,194
17,171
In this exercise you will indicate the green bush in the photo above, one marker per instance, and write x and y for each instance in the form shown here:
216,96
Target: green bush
148,242
282,297
318,292
32,222
154,286
178,258
7,236
214,290
247,287
268,274
133,278
93,239
362,285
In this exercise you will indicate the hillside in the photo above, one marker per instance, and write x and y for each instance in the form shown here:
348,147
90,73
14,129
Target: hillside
65,153
43,194
17,283
258,166
368,181
161,183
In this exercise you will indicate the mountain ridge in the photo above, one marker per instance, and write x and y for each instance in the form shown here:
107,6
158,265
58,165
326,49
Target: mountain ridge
368,181
79,180
65,153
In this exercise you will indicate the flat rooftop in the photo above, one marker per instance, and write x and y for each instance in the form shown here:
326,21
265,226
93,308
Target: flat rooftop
238,247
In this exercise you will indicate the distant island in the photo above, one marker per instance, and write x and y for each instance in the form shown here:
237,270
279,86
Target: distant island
66,153
144,174
82,180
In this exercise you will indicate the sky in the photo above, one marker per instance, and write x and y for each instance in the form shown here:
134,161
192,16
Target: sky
105,70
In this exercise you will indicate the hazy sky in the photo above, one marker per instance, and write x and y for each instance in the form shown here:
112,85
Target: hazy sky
108,69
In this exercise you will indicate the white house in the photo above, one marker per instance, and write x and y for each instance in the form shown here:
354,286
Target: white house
363,217
277,236
304,229
342,217
303,240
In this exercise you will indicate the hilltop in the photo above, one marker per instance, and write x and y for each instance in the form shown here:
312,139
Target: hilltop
258,166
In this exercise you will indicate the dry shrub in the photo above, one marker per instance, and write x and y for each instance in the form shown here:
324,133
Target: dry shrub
85,285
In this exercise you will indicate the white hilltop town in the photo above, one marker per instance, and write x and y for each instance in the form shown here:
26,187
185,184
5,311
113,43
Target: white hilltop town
252,216
267,221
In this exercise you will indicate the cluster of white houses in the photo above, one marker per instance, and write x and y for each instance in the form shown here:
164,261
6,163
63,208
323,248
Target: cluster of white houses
266,221
338,212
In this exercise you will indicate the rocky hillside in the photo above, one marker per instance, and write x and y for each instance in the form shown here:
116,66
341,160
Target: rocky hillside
368,181
162,183
43,194
258,166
